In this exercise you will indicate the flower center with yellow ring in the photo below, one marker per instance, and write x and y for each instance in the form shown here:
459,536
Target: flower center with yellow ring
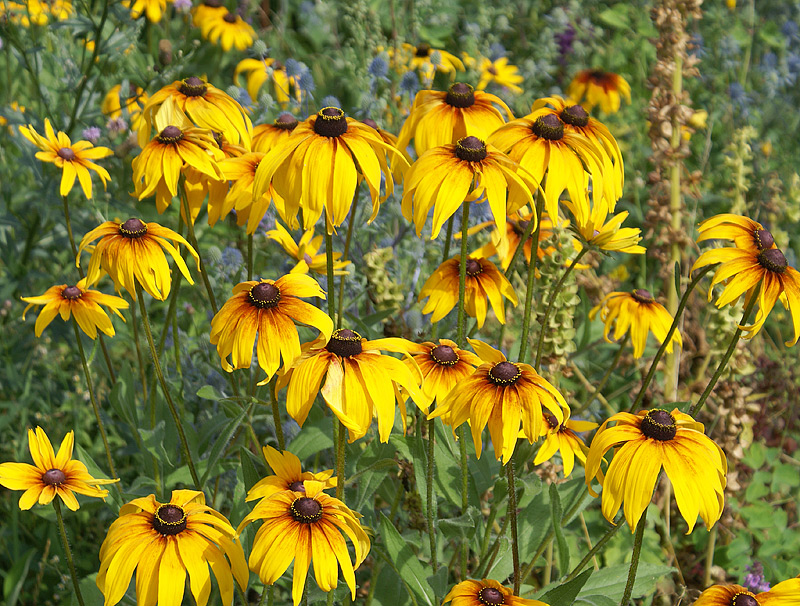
460,95
444,355
575,115
71,293
659,425
773,260
171,134
169,519
297,486
505,373
470,149
345,343
306,510
53,477
744,599
229,18
423,50
133,228
330,122
264,295
764,239
643,296
193,87
490,596
66,153
474,268
286,121
548,127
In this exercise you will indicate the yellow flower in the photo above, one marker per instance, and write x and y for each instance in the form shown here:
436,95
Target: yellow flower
745,233
443,366
269,136
165,543
307,252
130,252
595,231
782,594
484,282
503,395
80,301
132,103
398,164
258,71
74,159
442,118
268,308
207,10
228,30
51,474
504,242
154,9
600,88
639,312
288,475
646,442
501,73
425,60
486,592
563,437
40,12
299,527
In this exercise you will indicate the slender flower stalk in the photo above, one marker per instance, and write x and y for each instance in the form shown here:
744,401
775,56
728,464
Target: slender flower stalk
526,322
462,337
62,531
599,387
249,256
431,496
512,513
193,242
595,550
276,418
637,550
346,252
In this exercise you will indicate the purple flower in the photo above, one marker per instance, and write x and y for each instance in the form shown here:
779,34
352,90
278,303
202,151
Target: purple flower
117,125
182,6
754,580
564,41
91,134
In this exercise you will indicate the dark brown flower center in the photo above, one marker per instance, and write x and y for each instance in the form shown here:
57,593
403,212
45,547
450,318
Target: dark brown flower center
548,127
265,295
171,134
519,227
744,599
286,121
643,296
306,510
330,122
297,486
71,292
423,50
213,3
490,596
552,421
659,425
764,239
371,123
773,260
470,149
169,519
66,153
54,477
460,95
229,18
218,138
193,87
575,115
344,343
505,373
492,70
133,228
444,355
474,268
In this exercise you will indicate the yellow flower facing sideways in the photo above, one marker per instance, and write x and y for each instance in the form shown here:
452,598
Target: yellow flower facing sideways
288,475
307,252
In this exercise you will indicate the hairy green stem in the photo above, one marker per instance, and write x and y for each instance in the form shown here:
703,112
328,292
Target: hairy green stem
512,514
249,256
526,321
276,418
637,550
341,440
431,496
193,241
462,342
62,531
350,222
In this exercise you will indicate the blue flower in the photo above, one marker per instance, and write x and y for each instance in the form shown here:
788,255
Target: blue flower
330,101
378,68
409,83
294,68
496,51
306,82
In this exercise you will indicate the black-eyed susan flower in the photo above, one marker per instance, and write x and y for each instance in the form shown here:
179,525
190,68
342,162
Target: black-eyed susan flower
198,185
745,233
504,242
307,252
644,444
118,103
505,395
443,365
360,382
755,272
425,60
398,164
204,104
639,312
74,159
83,303
320,165
301,527
501,73
228,30
153,9
442,118
288,475
268,136
38,12
51,474
598,230
268,309
131,253
207,9
563,437
599,88
484,283
165,543
486,592
258,71
786,593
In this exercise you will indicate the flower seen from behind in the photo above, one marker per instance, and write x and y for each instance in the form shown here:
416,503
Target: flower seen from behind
426,60
486,592
288,475
600,88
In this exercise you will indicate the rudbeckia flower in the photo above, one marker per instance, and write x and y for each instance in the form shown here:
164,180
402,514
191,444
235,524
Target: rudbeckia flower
39,12
154,9
443,366
745,233
288,475
500,73
398,165
115,102
639,312
228,30
51,474
302,526
80,301
443,177
321,164
562,437
646,442
484,282
504,242
166,542
268,309
783,594
442,118
307,252
595,231
360,382
207,9
74,159
501,394
268,136
130,252
198,185
600,88
426,60
258,71
486,592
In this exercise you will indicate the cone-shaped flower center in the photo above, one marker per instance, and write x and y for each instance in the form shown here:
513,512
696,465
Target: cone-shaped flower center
490,596
171,134
575,115
213,3
773,260
460,95
492,70
470,149
193,87
519,227
66,153
297,486
423,50
371,123
643,296
474,268
659,425
306,510
230,18
764,239
505,373
552,421
744,599
71,292
548,127
265,295
54,477
169,519
133,228
344,343
444,355
286,121
330,122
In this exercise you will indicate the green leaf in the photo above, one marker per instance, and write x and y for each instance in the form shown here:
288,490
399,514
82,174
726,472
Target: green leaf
616,17
15,577
564,595
310,441
464,526
677,277
611,581
207,392
407,563
153,441
250,471
561,543
596,600
221,442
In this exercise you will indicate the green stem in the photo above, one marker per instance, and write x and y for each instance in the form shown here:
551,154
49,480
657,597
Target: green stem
462,277
594,550
140,357
193,242
447,239
526,322
462,449
69,233
548,564
340,453
65,544
605,378
512,513
173,411
526,234
97,44
712,541
249,256
276,418
351,221
329,262
637,550
431,496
